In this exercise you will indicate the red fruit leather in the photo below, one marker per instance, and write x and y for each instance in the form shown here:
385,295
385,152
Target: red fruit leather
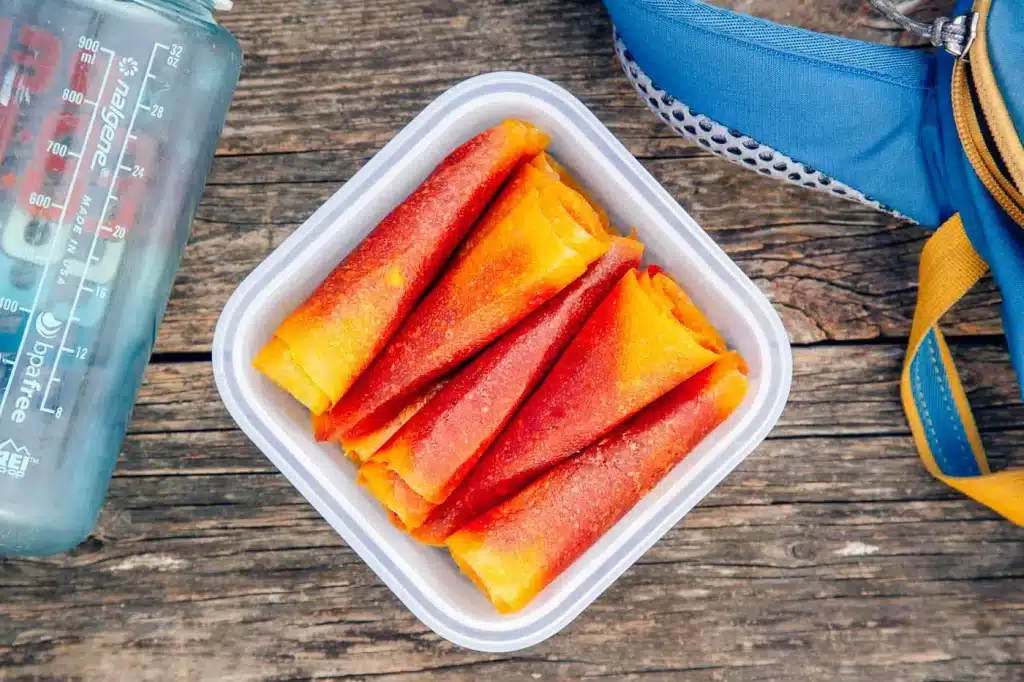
524,252
516,549
630,353
363,447
433,452
325,345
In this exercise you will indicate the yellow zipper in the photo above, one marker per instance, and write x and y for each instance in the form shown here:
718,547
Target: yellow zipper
981,158
969,127
997,116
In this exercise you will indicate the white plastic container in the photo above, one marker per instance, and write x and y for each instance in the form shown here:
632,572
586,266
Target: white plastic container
426,579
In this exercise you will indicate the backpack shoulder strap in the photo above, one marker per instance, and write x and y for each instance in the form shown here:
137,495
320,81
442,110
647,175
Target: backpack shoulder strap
937,408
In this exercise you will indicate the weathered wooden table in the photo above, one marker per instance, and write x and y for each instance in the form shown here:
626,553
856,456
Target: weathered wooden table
829,555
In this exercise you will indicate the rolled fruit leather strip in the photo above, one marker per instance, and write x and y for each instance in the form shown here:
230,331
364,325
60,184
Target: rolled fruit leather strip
520,257
361,443
631,352
534,174
687,312
361,448
429,456
542,171
545,161
518,548
328,342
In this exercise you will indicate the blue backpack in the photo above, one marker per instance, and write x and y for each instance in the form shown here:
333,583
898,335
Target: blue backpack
929,136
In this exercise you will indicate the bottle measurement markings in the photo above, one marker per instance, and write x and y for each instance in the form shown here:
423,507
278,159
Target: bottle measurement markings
126,66
19,414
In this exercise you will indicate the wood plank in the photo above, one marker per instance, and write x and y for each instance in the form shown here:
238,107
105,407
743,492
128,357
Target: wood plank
829,554
225,468
822,553
837,390
235,578
312,108
344,75
834,270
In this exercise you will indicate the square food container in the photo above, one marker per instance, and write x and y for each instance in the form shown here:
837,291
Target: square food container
424,578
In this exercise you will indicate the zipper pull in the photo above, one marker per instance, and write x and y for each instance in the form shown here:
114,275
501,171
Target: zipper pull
955,36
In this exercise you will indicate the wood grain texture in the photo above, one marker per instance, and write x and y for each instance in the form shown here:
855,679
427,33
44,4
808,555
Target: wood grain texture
830,554
328,83
835,270
818,556
845,390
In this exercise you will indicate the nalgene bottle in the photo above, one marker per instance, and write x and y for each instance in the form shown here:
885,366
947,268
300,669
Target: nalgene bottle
110,111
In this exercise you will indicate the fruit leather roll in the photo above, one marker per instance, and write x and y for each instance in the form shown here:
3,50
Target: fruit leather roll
431,454
361,444
544,172
632,351
545,162
515,550
361,448
687,312
319,351
364,441
530,246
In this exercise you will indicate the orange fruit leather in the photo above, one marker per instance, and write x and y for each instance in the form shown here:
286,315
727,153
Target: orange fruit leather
527,249
320,350
431,454
518,548
361,448
631,351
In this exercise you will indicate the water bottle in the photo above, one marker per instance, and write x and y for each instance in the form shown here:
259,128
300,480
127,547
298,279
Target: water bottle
110,111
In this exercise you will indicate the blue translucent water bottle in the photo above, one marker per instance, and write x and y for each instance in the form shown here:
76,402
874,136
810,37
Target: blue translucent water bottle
110,112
